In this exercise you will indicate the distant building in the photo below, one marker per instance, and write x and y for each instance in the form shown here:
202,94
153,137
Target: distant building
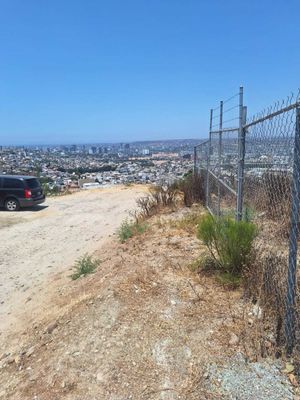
127,148
92,150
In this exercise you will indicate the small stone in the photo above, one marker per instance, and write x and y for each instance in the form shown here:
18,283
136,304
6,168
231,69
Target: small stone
100,377
4,355
293,380
234,340
268,344
30,351
257,311
10,360
18,360
51,327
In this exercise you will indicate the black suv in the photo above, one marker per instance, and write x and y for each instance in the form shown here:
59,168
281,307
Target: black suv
17,191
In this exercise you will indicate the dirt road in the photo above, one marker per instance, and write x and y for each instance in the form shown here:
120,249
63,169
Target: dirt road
37,245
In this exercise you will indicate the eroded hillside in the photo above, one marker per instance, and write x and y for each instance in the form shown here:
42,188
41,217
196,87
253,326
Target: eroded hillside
143,326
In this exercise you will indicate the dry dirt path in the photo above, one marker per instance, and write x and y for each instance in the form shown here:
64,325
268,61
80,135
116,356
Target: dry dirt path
38,244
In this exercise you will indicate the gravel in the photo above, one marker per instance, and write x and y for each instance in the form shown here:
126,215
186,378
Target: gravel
242,380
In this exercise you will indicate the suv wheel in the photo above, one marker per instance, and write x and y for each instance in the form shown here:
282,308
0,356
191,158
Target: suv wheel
12,205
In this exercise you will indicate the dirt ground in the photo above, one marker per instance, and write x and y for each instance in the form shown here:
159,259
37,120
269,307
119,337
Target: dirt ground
39,244
143,326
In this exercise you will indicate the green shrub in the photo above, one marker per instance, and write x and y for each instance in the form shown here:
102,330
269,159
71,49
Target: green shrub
85,265
229,242
125,231
140,228
248,214
129,229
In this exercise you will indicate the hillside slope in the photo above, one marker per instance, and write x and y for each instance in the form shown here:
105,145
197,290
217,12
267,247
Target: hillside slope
144,326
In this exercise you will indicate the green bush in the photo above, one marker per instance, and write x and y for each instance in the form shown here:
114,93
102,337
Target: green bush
85,265
125,231
140,228
129,229
229,242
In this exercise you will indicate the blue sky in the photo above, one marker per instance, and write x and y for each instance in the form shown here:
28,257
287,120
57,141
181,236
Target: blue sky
74,71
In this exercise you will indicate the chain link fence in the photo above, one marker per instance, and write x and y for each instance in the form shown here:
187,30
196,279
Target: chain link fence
251,172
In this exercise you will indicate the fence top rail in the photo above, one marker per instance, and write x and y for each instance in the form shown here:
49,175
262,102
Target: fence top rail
225,130
273,114
202,143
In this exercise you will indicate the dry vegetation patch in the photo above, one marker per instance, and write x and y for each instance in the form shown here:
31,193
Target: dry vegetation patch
143,326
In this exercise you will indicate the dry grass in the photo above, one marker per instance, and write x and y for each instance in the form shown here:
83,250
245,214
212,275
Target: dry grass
188,222
144,319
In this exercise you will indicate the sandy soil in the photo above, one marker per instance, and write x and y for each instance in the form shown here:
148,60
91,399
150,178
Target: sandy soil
38,244
145,326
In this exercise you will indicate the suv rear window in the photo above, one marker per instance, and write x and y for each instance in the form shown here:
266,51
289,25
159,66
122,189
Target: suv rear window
33,183
10,183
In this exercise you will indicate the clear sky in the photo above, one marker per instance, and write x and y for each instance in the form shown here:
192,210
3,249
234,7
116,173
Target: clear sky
74,71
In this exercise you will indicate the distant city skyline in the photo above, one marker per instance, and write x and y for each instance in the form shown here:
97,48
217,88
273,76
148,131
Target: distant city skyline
113,71
147,142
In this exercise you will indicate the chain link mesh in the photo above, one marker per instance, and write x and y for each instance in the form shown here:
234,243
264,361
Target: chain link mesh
270,197
267,200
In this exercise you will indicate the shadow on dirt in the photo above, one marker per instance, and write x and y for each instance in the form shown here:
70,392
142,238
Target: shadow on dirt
34,208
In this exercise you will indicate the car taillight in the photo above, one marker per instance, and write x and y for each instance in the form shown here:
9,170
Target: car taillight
27,194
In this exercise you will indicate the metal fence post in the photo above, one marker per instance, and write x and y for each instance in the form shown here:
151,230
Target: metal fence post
293,244
220,157
208,159
195,160
241,156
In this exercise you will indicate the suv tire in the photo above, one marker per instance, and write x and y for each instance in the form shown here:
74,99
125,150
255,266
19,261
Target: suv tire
12,205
